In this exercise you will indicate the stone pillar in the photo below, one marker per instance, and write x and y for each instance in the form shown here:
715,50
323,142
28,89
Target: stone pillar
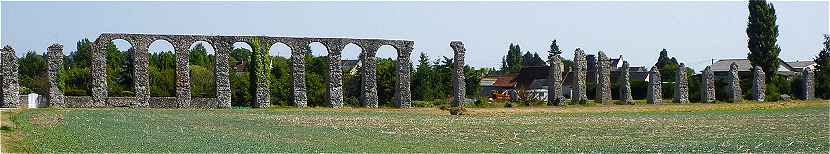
335,79
458,84
55,61
263,93
578,93
404,97
369,80
758,84
734,84
681,86
555,80
603,79
808,88
625,84
141,62
222,72
99,73
182,74
10,81
707,93
655,87
298,73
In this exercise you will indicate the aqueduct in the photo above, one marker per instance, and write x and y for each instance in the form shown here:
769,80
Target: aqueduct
221,45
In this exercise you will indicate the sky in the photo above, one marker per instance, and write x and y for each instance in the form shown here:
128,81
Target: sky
694,32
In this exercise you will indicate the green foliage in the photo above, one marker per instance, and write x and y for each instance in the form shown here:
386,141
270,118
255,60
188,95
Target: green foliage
32,73
823,70
119,72
387,80
260,65
162,73
762,32
513,62
203,79
554,48
281,93
532,59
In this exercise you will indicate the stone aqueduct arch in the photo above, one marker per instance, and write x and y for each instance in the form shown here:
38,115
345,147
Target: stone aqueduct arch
222,44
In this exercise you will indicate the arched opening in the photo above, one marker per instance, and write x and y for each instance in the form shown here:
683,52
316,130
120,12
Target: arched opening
316,74
119,68
387,76
351,64
241,83
202,77
32,72
280,74
162,69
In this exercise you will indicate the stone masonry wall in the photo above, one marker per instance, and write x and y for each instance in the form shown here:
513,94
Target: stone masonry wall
625,84
603,79
10,82
808,88
707,94
298,75
458,74
335,78
55,61
734,86
263,94
655,88
681,86
404,97
182,74
141,78
222,71
99,73
758,84
369,80
555,78
579,68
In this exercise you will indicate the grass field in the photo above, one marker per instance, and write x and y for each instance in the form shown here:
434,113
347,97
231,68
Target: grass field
740,127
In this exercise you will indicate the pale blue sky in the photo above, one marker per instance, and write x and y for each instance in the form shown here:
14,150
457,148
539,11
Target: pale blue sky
694,32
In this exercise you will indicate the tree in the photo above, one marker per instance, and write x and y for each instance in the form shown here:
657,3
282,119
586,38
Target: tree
162,74
554,48
199,56
422,80
823,70
513,59
32,73
763,33
119,72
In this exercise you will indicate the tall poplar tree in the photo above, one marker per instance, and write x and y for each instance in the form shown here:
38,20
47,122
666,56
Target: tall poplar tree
763,33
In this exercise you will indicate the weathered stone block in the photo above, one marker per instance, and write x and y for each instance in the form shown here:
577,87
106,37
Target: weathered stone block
10,82
403,95
625,84
707,94
808,88
222,72
99,73
579,68
734,84
458,91
55,61
555,77
655,87
758,84
369,86
603,79
681,86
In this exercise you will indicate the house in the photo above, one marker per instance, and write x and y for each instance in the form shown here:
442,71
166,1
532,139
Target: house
535,78
798,66
721,68
496,83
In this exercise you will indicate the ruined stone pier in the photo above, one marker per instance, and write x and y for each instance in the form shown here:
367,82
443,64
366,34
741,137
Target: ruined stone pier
579,92
458,84
707,93
734,86
603,79
655,87
681,86
759,85
625,84
555,97
9,78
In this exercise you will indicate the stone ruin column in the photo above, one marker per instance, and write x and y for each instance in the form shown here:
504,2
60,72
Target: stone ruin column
734,84
263,93
625,84
603,79
458,91
404,97
182,74
298,73
10,82
99,73
222,72
335,79
55,61
141,62
808,88
655,87
555,80
758,84
369,78
681,86
707,93
578,93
